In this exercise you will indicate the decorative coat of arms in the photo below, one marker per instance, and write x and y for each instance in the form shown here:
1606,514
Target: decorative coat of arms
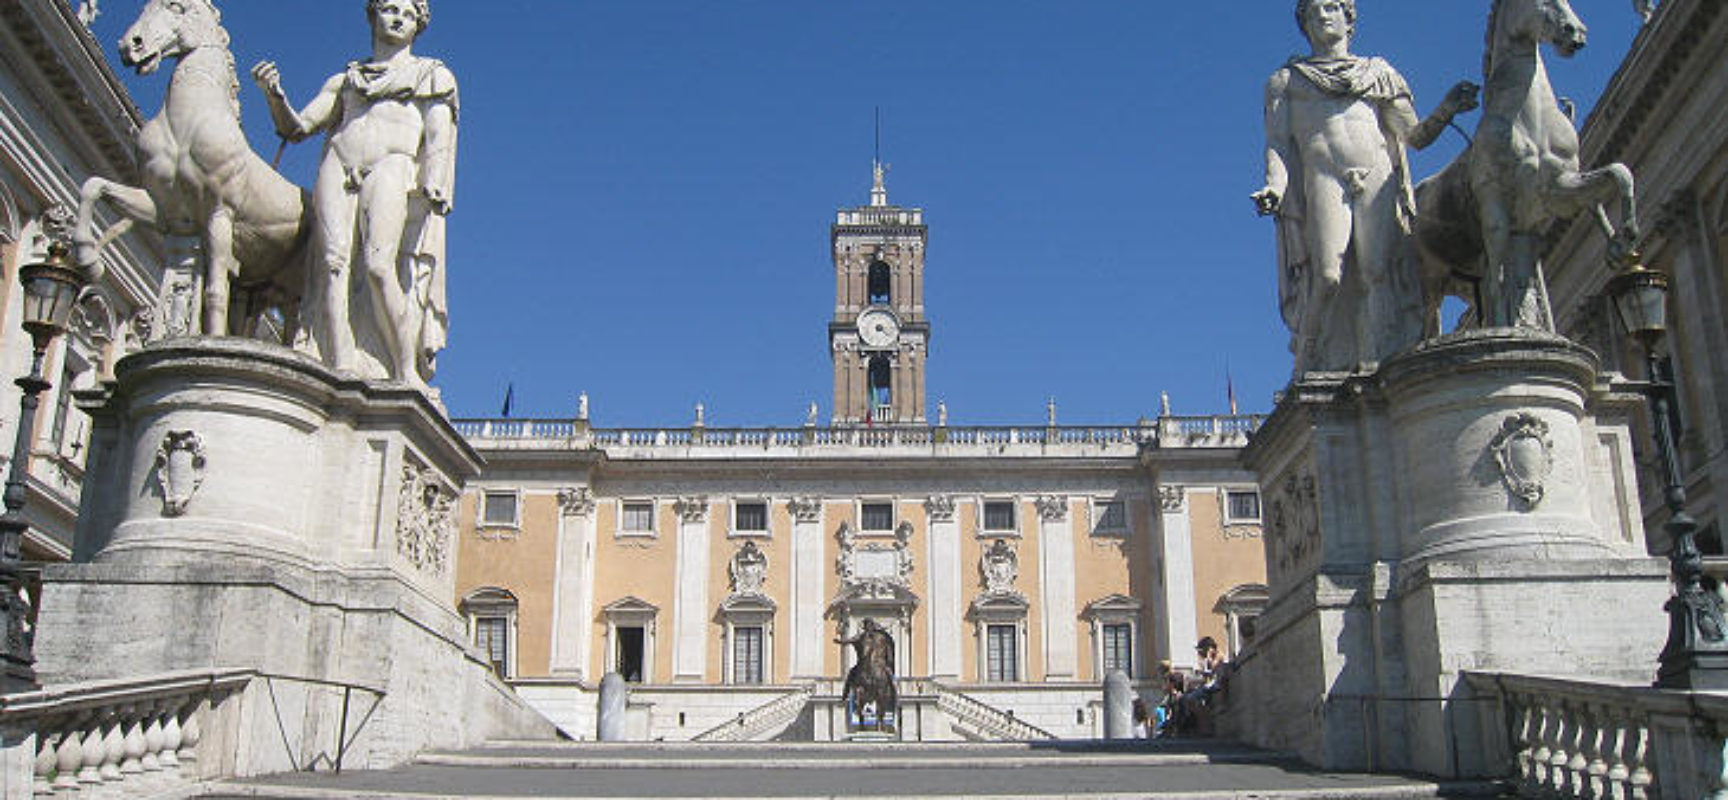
425,520
1000,567
180,462
749,570
1525,454
875,570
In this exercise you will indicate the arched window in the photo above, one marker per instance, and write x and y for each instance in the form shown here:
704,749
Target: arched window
491,614
881,293
881,386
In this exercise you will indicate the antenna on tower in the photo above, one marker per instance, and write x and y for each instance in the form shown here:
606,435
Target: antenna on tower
878,158
879,189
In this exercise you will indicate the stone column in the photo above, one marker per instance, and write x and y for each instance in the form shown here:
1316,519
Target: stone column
573,595
947,609
808,637
690,610
1181,627
1056,589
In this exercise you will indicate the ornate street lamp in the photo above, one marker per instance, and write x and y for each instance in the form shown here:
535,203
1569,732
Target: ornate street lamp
1696,655
50,291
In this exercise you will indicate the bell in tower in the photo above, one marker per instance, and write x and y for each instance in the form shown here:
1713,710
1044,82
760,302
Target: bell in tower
879,336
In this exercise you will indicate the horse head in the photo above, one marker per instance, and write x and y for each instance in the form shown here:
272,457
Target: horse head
169,29
1533,22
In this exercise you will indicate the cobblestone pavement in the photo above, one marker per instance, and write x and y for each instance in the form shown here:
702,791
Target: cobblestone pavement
785,772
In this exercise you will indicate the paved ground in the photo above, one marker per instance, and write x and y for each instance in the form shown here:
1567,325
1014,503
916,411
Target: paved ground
786,772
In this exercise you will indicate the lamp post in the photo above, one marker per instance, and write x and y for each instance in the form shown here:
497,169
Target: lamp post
50,290
1696,655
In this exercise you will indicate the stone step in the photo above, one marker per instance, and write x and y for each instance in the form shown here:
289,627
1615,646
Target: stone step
1035,771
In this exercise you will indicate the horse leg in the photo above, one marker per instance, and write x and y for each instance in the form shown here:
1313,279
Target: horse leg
1496,220
1594,189
133,203
219,248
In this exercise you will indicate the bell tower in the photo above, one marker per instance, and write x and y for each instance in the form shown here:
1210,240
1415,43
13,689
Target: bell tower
879,336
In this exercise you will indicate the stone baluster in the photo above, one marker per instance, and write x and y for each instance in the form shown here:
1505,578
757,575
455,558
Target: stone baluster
68,758
1565,778
171,738
1546,720
1595,719
133,747
1638,753
95,751
42,772
152,737
1620,728
113,745
190,735
1528,730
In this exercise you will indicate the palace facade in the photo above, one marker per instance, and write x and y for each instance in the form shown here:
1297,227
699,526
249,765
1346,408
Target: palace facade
715,569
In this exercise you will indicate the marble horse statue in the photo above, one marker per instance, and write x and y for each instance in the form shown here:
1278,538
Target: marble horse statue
870,683
202,179
1482,219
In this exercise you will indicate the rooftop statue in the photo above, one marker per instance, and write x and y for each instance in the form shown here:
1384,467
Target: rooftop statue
384,187
201,178
1482,219
1338,181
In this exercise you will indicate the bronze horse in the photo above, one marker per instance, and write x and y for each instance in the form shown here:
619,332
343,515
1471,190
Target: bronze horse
870,682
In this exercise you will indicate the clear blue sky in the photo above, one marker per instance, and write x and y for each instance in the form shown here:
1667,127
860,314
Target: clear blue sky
645,188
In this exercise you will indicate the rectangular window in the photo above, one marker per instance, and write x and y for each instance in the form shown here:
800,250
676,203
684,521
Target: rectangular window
999,515
747,655
1001,654
492,637
499,508
631,654
638,518
1112,515
1242,506
877,517
1119,648
750,516
63,405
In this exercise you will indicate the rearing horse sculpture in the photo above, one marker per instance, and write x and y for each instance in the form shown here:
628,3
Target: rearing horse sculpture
201,177
1482,218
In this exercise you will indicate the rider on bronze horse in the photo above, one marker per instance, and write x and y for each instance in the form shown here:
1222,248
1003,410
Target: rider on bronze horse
871,679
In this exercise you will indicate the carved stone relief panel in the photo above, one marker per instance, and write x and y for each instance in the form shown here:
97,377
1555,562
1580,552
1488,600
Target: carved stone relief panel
425,519
1000,567
748,570
1294,524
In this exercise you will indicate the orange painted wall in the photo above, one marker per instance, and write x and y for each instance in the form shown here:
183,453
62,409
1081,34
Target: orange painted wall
524,565
1221,562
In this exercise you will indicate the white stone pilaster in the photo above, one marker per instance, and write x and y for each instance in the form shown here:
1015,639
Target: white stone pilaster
1178,625
1056,589
573,596
947,611
808,638
690,611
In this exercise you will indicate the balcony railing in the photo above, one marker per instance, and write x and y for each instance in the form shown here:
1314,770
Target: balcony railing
1168,432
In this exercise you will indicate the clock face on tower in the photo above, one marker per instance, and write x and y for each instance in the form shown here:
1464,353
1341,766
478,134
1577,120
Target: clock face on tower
877,327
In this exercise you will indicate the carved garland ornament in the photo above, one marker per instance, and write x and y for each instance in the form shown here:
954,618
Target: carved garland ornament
806,509
692,509
1171,499
1525,454
940,508
180,462
425,520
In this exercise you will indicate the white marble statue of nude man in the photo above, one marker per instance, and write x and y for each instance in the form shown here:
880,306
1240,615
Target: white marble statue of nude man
1339,183
384,186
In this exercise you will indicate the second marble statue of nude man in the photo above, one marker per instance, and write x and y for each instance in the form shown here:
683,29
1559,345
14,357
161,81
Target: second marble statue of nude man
384,186
1338,181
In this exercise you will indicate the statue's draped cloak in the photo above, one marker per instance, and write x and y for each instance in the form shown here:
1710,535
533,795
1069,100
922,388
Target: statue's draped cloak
1371,80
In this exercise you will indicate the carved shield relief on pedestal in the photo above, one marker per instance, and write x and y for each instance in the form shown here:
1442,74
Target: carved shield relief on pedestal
1525,455
180,462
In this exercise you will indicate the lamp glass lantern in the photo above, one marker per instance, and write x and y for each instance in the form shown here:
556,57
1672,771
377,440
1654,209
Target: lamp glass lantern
51,289
1641,299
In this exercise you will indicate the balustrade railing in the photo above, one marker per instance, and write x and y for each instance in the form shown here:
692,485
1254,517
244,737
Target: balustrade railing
123,738
1214,431
1576,739
984,719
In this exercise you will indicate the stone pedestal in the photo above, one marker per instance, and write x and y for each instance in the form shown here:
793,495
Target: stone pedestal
245,507
1470,506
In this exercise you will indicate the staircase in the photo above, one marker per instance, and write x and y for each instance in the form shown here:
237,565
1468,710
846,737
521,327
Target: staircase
761,723
982,722
1193,770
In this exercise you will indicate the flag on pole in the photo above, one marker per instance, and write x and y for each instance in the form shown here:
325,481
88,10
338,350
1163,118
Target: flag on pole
509,399
1230,390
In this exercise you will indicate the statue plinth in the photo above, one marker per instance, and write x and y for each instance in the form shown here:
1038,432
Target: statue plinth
1469,505
246,507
